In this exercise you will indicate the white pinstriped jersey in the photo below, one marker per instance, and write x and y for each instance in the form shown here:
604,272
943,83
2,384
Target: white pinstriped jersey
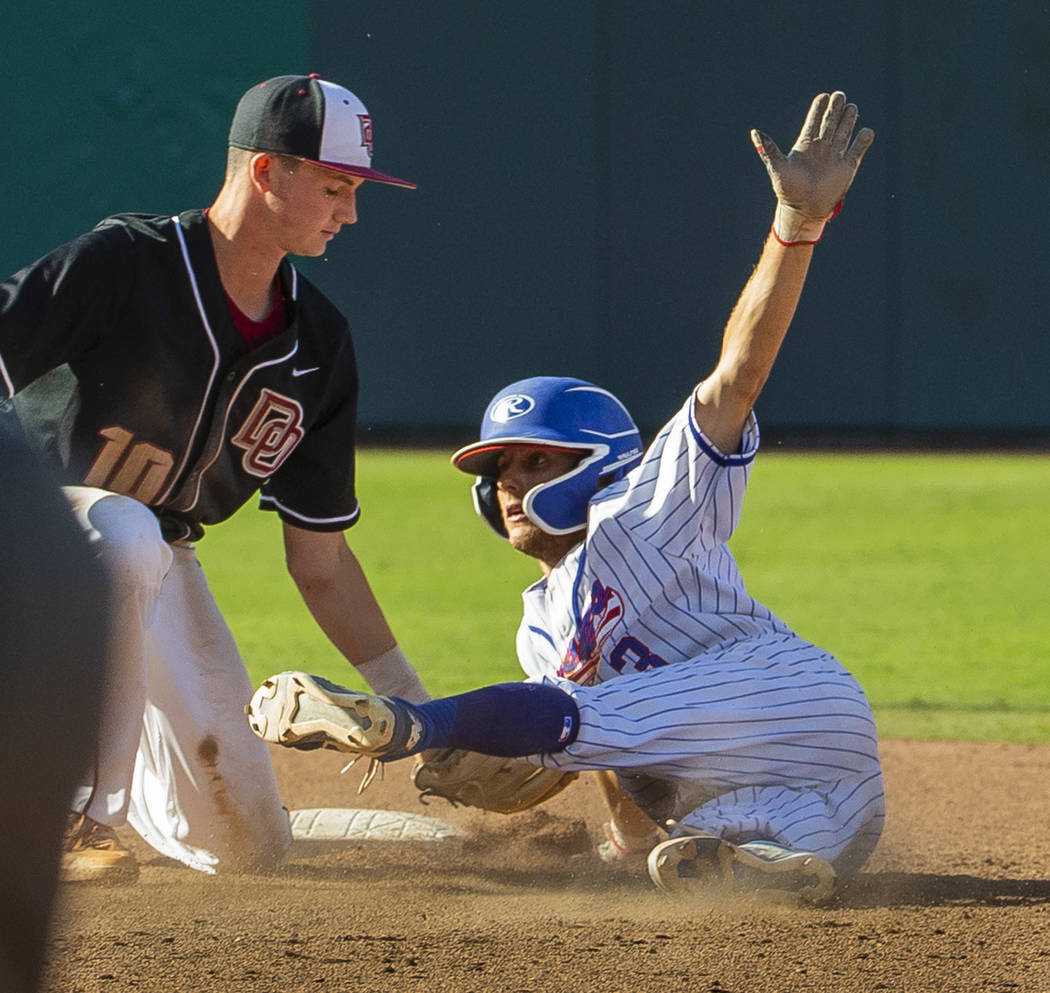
654,582
720,717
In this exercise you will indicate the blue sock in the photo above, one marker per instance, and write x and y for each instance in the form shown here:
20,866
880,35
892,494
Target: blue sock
511,719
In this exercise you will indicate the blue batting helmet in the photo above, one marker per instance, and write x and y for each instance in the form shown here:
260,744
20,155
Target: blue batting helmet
566,413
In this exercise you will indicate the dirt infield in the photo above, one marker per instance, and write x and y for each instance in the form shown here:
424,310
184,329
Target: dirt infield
956,898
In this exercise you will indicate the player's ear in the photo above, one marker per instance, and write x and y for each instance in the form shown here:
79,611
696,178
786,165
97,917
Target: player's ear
261,169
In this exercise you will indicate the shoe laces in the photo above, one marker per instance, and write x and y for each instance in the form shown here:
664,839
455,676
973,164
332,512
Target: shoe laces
83,832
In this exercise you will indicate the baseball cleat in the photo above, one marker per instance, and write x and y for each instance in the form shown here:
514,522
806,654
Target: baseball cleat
705,864
91,853
303,711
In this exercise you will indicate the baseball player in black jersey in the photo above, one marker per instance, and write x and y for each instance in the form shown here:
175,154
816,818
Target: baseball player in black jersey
171,368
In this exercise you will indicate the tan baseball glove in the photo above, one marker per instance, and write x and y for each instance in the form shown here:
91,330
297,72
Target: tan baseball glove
488,782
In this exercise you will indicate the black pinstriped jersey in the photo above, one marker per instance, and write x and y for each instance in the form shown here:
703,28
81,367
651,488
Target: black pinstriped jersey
122,364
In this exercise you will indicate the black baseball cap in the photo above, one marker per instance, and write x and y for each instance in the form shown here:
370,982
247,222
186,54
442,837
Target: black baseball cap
309,118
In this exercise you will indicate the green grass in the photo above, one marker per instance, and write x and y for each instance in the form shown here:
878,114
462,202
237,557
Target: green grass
925,574
449,587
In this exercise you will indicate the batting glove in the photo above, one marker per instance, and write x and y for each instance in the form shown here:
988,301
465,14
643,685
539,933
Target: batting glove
811,180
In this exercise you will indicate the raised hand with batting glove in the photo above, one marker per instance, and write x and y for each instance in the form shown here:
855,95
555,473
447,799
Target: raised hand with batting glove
811,180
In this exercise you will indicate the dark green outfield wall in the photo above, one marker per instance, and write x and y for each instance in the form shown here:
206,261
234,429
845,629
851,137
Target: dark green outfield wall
125,105
589,200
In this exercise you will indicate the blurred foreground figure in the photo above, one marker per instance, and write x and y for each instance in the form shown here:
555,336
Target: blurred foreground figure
52,615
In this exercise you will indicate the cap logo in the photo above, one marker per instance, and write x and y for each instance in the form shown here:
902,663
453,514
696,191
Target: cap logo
366,132
507,408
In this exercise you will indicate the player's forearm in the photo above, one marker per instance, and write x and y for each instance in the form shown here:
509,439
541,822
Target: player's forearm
345,608
763,313
350,616
629,820
337,593
751,342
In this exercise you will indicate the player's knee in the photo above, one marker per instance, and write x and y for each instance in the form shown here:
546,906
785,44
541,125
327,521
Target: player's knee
261,849
129,540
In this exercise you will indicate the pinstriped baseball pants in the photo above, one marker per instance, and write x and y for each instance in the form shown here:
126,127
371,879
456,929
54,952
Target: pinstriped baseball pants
762,738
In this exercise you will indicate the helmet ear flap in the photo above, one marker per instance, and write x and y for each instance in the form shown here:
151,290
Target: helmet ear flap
486,504
551,411
559,506
608,478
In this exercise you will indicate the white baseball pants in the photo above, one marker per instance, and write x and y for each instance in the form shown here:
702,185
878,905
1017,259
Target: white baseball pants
175,759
